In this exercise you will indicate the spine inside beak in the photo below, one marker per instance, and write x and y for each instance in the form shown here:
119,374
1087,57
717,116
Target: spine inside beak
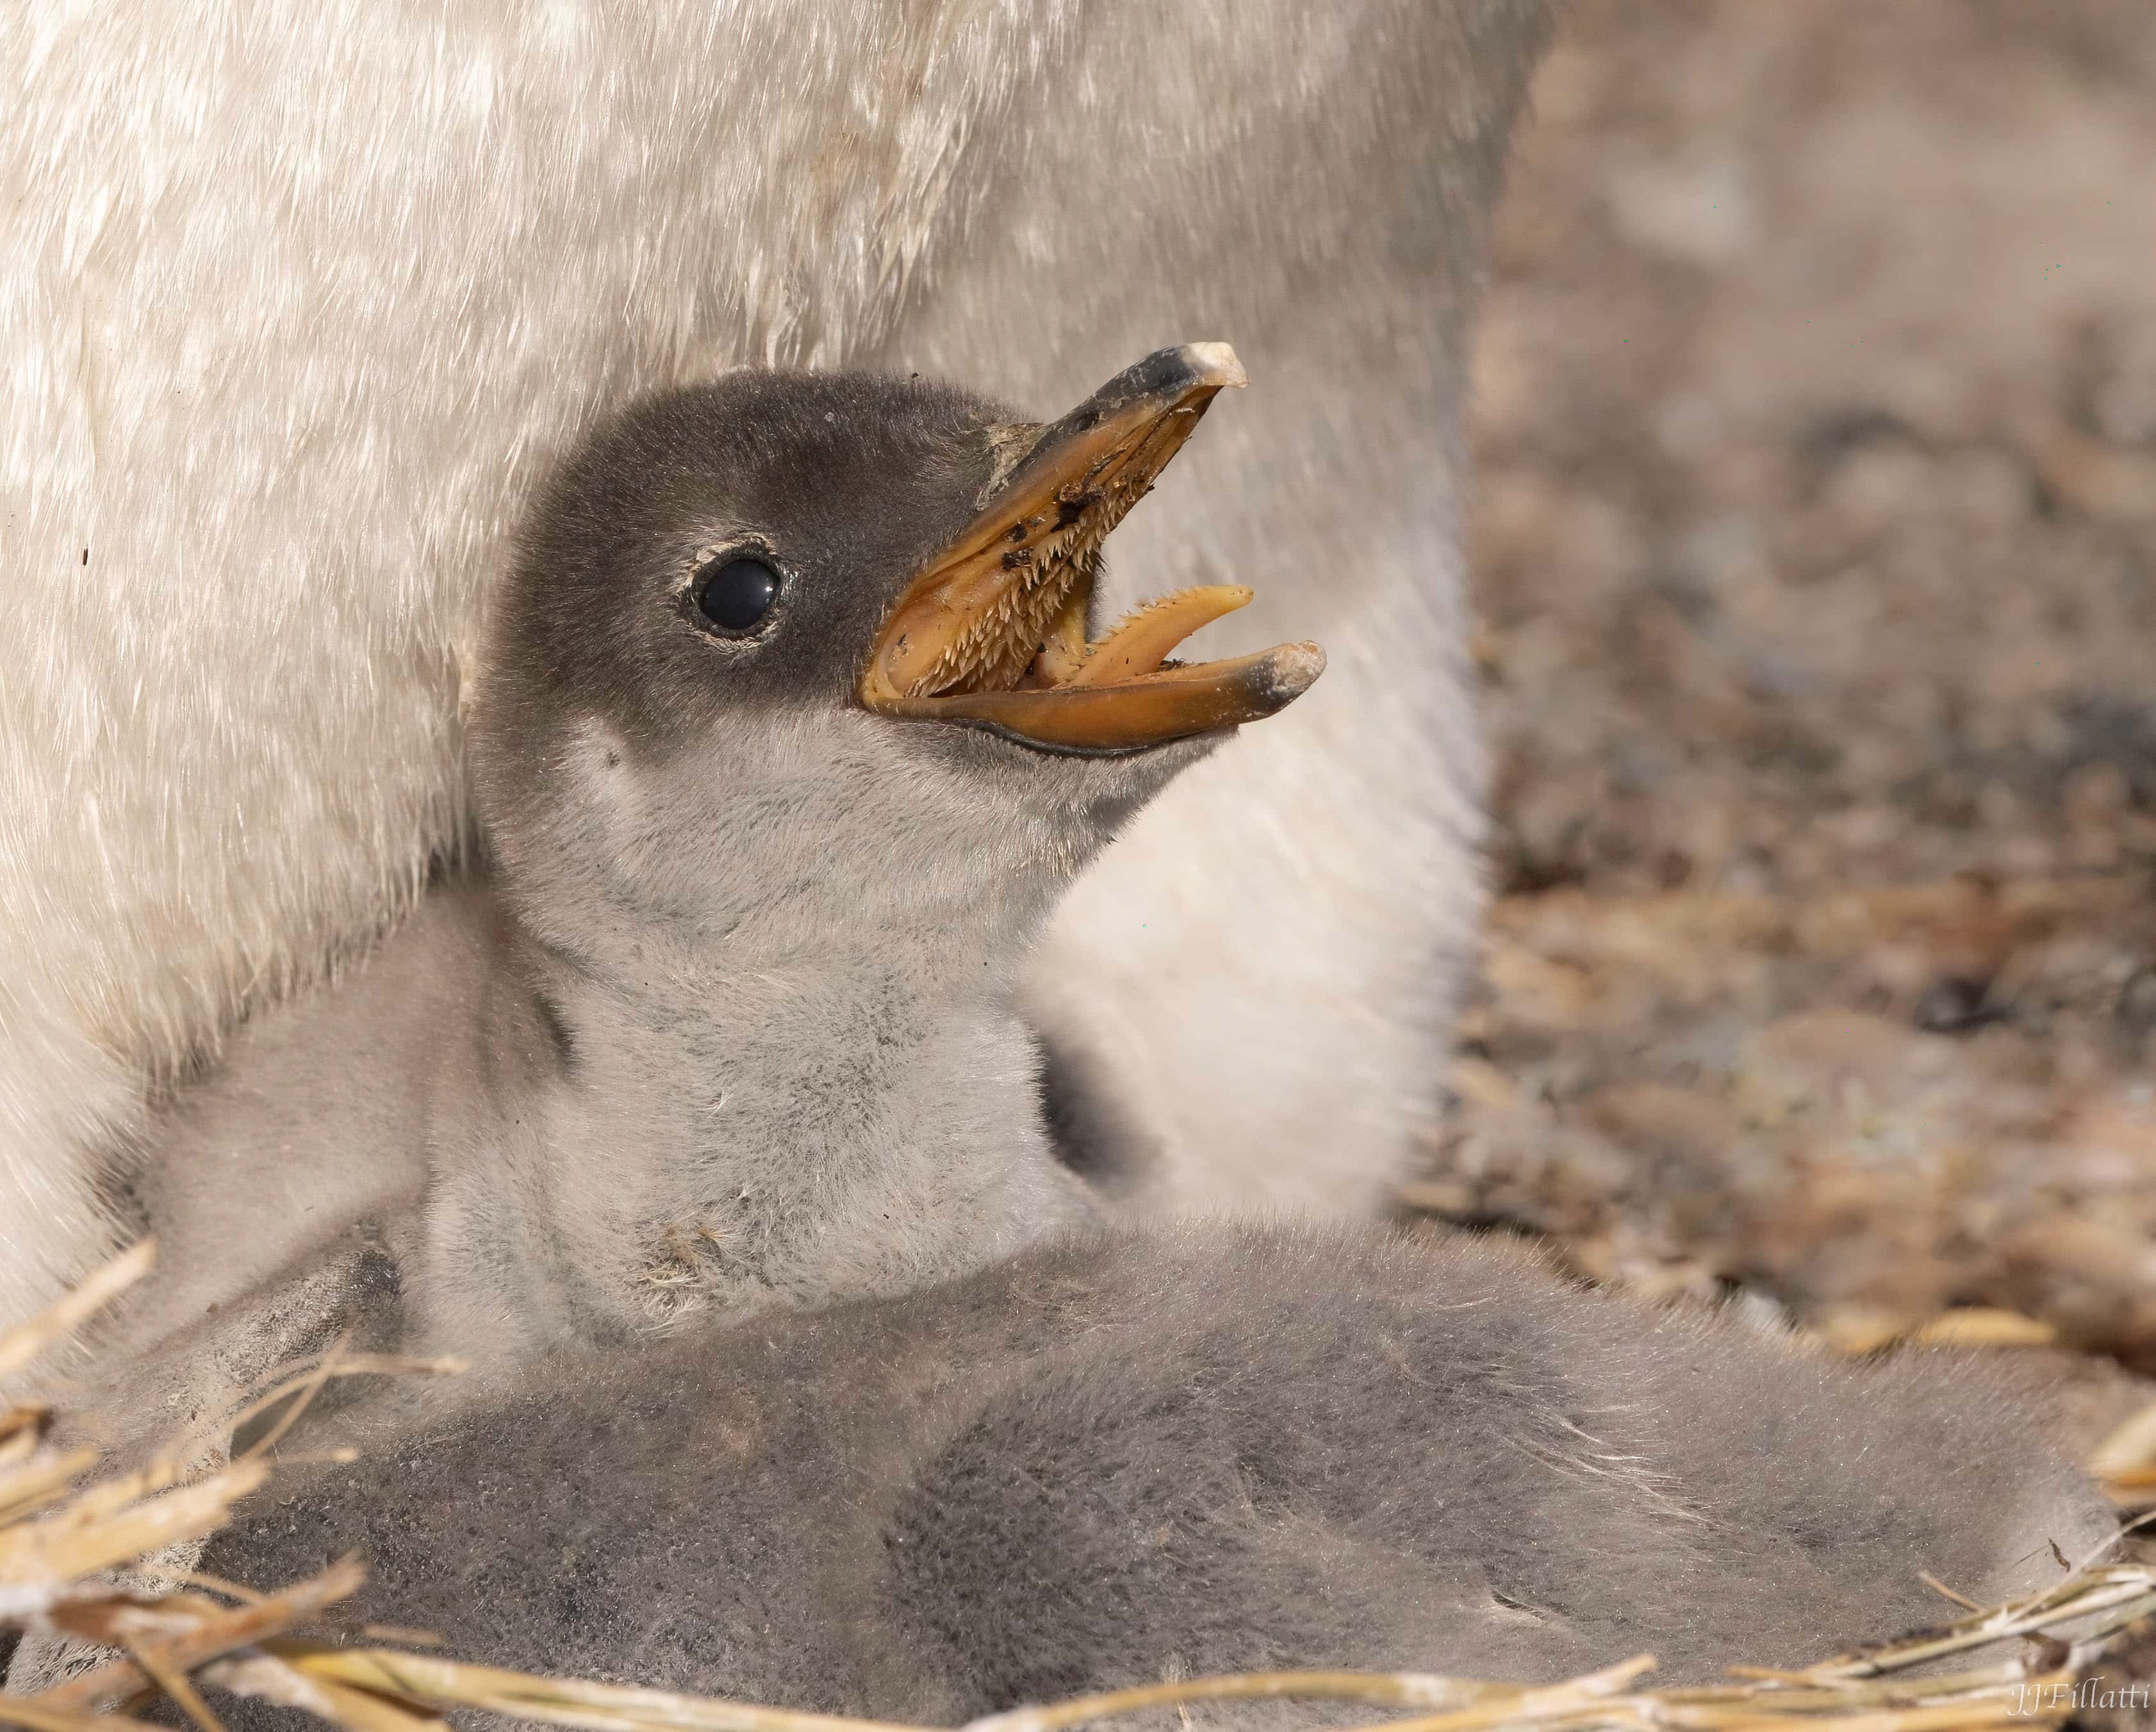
1064,648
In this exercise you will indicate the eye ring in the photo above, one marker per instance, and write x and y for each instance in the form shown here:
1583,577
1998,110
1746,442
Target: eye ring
734,592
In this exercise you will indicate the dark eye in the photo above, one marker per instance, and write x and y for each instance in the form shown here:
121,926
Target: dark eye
737,594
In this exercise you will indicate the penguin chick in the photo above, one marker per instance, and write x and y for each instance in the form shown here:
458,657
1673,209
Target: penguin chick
1187,1450
789,726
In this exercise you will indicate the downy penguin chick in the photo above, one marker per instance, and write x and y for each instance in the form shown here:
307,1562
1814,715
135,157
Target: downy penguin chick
1206,1448
787,731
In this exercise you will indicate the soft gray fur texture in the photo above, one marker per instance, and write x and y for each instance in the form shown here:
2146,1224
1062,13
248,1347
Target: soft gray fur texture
728,1021
729,1018
297,304
1194,1449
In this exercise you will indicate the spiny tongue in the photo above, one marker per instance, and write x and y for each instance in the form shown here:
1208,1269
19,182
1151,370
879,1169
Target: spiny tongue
1143,639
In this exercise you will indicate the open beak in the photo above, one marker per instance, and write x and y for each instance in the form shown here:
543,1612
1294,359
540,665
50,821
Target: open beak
992,630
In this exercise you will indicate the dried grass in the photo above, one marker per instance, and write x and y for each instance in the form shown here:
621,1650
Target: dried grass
59,1529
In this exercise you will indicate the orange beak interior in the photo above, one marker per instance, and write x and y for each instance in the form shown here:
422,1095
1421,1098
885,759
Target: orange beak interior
993,631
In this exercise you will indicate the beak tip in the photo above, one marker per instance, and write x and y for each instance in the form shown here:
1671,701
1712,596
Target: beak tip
1216,364
1294,668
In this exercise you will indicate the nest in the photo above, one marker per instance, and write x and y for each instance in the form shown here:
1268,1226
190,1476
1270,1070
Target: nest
63,1530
